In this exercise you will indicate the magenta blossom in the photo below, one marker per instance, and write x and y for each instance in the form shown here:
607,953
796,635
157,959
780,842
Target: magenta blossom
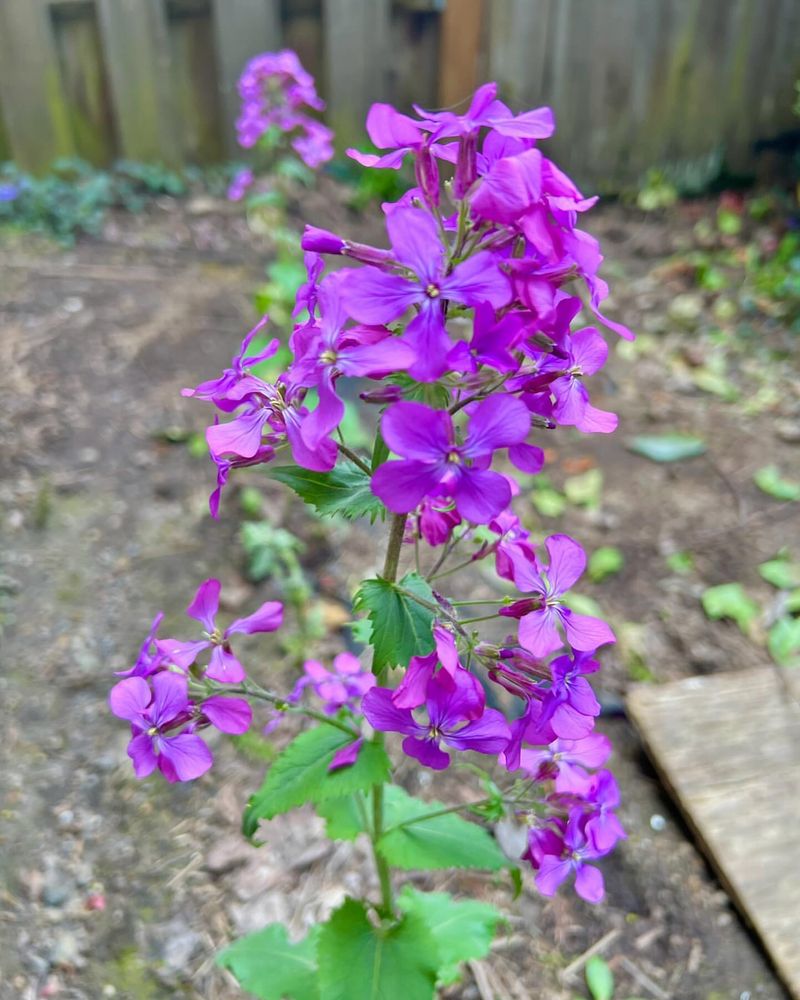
602,827
456,719
542,615
223,666
412,691
573,859
485,111
182,756
342,687
567,761
433,462
376,296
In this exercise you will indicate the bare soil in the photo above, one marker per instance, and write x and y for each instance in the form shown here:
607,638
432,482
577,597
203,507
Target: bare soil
114,888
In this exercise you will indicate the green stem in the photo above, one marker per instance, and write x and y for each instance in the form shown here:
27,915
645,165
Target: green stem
254,691
453,569
390,565
481,618
466,604
351,455
438,812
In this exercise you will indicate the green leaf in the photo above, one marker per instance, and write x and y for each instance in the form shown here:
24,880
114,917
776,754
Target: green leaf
268,965
728,600
783,642
680,562
605,561
380,452
781,572
586,489
343,817
300,774
446,841
462,930
358,961
769,480
667,447
548,502
344,490
599,978
401,628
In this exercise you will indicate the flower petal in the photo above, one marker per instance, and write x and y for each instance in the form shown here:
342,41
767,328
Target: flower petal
268,618
205,604
130,698
567,563
382,714
229,715
187,754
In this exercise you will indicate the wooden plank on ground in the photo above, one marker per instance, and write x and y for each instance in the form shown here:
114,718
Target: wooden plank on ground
728,747
137,57
34,110
242,29
460,53
357,60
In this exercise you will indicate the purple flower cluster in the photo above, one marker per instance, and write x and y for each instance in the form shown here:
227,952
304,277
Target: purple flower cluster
155,694
277,93
471,308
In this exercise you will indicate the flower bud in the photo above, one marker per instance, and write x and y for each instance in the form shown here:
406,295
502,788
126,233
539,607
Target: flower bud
427,175
518,609
466,165
366,254
386,394
322,241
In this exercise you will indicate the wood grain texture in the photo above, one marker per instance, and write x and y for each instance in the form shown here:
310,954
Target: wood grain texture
728,747
242,29
34,109
137,55
357,46
461,39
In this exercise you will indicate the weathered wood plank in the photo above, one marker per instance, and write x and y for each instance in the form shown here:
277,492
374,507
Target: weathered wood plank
460,51
137,55
84,81
728,747
242,29
35,112
194,81
357,63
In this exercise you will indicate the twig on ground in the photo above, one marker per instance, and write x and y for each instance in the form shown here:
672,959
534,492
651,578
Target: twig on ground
643,979
581,960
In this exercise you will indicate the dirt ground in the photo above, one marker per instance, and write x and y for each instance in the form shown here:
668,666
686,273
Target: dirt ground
114,888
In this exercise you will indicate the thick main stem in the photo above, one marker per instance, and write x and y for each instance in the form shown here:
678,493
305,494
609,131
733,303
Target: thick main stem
390,565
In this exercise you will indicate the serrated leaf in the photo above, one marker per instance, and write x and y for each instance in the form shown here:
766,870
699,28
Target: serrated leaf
345,490
401,628
605,561
358,961
446,841
462,930
782,573
343,817
667,447
300,774
268,965
783,642
770,481
729,600
599,978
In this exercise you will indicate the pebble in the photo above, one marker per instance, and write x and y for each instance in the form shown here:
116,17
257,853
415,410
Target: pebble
657,822
788,431
57,888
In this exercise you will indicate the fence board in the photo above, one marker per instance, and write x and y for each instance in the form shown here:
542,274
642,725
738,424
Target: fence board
242,29
462,31
357,58
195,83
136,44
84,81
35,112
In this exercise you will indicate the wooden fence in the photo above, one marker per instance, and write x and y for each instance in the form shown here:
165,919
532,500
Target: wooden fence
634,83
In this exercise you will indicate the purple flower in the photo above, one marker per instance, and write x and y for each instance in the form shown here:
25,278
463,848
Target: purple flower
433,462
226,391
566,761
485,111
228,715
456,718
375,296
9,192
412,691
602,827
324,352
436,519
223,666
152,715
586,354
570,705
242,180
149,659
342,687
577,852
388,129
539,628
